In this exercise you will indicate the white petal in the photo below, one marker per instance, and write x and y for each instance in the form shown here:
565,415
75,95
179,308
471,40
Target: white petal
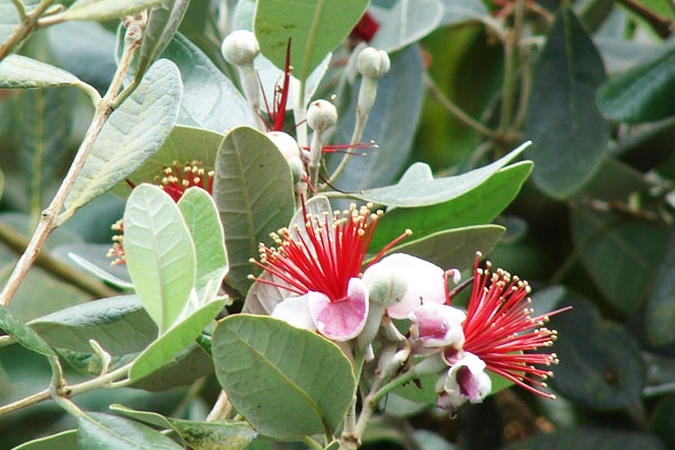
295,311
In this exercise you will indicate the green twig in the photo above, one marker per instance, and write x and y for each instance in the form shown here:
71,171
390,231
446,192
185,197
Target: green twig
661,25
20,9
511,55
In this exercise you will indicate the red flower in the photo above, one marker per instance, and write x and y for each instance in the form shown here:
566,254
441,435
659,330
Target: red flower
321,264
500,330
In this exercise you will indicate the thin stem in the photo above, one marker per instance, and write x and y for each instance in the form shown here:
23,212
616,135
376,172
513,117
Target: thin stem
511,53
25,402
26,27
661,25
18,243
455,110
51,218
311,443
221,410
20,9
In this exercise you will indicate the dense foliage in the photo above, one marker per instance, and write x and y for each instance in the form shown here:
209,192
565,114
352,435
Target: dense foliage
539,133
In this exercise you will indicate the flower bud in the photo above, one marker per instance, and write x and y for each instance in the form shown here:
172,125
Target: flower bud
240,47
387,284
286,144
321,115
465,380
373,63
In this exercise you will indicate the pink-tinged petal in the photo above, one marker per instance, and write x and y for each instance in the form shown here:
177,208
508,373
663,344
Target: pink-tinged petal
295,311
426,283
436,326
467,378
344,319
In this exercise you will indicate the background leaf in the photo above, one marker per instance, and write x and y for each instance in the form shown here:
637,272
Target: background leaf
66,440
570,139
660,311
586,437
9,19
270,368
160,254
20,72
641,94
314,27
23,333
253,189
131,135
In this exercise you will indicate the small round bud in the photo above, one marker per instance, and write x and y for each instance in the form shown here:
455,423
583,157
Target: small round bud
240,47
386,284
321,115
285,143
373,63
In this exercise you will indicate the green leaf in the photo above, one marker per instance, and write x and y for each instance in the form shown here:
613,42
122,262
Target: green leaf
210,100
314,27
253,189
66,440
176,339
570,136
417,186
230,435
46,118
9,19
23,333
163,21
453,248
660,313
588,438
399,100
106,9
20,72
182,145
119,324
201,216
662,421
457,12
183,369
98,431
600,363
642,93
615,249
405,23
478,206
285,381
131,135
160,254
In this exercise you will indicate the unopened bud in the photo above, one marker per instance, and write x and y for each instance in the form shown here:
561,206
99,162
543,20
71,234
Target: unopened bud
321,115
285,143
373,63
387,284
240,47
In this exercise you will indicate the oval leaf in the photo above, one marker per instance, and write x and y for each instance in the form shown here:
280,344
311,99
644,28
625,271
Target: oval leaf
406,22
660,313
569,133
160,254
642,93
66,440
20,72
588,438
201,216
253,189
285,381
314,27
23,333
163,350
131,135
106,9
98,431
